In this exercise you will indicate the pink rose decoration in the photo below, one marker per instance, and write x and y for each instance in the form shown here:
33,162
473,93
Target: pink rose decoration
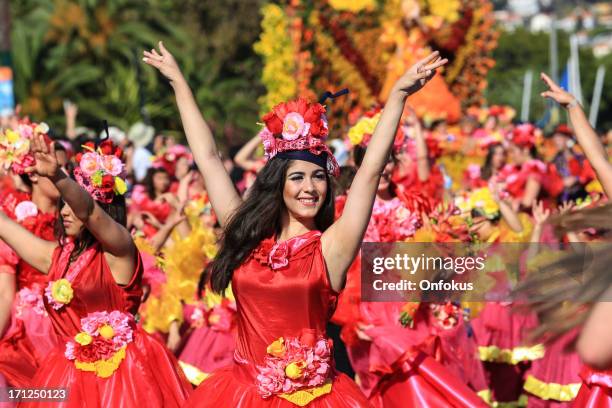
111,165
279,255
25,209
473,171
89,163
294,126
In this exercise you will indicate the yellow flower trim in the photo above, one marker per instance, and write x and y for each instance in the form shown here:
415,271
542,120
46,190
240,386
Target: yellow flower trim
193,373
277,348
277,51
513,356
83,338
448,10
364,126
353,5
294,370
551,391
62,292
103,368
106,332
488,398
306,396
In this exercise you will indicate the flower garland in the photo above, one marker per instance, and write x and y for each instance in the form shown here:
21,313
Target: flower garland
407,313
277,50
100,346
326,49
447,315
15,146
295,364
354,6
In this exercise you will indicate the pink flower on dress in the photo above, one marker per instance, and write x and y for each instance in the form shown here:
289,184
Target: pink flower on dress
279,254
299,366
89,163
25,209
111,165
294,126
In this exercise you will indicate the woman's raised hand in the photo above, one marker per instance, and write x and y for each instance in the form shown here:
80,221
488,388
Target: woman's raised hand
46,164
164,62
419,74
555,92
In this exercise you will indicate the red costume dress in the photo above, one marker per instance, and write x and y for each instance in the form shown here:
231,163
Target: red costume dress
30,336
284,300
596,389
143,373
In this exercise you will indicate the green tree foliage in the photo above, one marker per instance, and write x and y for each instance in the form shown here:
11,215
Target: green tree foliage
89,51
522,50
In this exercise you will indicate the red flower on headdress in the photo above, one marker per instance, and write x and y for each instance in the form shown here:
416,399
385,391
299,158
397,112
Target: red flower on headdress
297,125
523,135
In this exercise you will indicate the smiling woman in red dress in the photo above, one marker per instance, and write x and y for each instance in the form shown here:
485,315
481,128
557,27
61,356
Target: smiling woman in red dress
103,357
283,253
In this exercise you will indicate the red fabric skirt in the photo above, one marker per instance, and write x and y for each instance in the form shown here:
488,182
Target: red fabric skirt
148,376
18,357
596,389
233,387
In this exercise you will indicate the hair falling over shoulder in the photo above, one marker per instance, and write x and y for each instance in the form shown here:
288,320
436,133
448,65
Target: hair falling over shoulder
258,218
567,286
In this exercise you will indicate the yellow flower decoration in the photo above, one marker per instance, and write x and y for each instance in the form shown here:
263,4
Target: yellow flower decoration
120,186
62,292
84,339
277,348
294,370
103,368
106,332
364,126
483,200
353,5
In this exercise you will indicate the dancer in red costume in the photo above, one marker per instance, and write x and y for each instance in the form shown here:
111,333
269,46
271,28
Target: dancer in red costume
284,255
94,274
594,342
30,335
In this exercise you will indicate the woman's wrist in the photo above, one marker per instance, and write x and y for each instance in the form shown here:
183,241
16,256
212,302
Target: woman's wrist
574,103
58,176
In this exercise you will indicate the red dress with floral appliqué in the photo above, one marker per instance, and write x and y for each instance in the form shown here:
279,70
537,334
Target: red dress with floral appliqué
30,336
282,291
148,374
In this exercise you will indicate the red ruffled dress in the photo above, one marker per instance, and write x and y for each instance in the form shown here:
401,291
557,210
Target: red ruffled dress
212,343
30,336
433,364
596,389
145,372
282,359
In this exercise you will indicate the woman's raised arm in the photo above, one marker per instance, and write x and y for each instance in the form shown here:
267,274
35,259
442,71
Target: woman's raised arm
341,241
585,134
223,195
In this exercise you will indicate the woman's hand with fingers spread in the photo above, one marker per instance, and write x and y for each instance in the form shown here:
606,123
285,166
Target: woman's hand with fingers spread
556,93
419,74
540,214
164,62
46,164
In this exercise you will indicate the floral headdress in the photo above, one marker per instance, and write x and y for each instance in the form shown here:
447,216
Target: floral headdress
297,130
100,171
362,131
15,145
524,135
480,201
168,157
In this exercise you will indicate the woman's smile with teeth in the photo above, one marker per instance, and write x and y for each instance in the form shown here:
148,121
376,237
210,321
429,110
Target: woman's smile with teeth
308,200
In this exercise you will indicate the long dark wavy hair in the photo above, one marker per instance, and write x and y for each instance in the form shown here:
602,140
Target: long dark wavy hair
148,180
487,168
257,218
117,211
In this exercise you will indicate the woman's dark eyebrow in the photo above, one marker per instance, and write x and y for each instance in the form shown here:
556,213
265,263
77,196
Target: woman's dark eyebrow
301,173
